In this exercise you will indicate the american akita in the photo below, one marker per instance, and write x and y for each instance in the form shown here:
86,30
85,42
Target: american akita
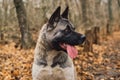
55,49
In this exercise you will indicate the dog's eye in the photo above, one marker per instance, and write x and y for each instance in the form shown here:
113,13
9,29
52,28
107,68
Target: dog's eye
74,28
67,30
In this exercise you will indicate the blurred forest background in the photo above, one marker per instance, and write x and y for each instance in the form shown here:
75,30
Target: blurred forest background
99,19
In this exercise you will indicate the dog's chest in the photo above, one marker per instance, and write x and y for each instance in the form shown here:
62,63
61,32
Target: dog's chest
50,56
57,73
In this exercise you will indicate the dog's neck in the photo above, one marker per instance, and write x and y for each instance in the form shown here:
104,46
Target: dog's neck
45,55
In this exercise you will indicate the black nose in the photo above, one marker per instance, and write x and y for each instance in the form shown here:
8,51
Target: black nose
83,37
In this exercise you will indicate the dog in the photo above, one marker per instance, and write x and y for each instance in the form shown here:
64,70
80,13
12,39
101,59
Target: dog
55,49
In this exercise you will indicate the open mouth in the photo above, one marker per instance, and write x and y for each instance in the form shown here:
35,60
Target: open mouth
71,50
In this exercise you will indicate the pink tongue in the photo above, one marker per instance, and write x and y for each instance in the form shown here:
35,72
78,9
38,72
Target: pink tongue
72,51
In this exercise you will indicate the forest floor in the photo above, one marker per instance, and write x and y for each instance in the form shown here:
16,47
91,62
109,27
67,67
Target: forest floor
101,64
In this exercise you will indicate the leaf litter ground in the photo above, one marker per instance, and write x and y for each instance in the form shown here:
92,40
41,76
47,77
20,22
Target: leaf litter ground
101,64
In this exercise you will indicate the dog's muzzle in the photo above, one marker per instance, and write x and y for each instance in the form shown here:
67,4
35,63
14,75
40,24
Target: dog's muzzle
67,43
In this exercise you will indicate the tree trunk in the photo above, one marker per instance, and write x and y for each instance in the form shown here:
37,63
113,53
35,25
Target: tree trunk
5,6
78,8
26,39
110,10
97,12
118,3
89,41
96,35
110,17
84,11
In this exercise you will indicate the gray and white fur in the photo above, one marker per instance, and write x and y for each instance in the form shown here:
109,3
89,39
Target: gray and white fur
51,62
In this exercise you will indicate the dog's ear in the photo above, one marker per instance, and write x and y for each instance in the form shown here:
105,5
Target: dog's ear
55,16
65,13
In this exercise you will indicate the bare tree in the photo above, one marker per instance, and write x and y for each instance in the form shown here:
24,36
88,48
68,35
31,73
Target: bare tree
5,7
110,10
110,17
84,11
118,2
26,39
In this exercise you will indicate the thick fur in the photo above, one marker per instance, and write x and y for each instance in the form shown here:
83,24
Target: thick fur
51,62
41,72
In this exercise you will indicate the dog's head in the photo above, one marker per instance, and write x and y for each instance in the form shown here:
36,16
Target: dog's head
60,32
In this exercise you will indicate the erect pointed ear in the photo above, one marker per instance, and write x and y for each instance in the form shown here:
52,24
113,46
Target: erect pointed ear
65,13
55,16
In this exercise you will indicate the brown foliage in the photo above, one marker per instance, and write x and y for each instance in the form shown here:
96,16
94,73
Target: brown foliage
101,64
